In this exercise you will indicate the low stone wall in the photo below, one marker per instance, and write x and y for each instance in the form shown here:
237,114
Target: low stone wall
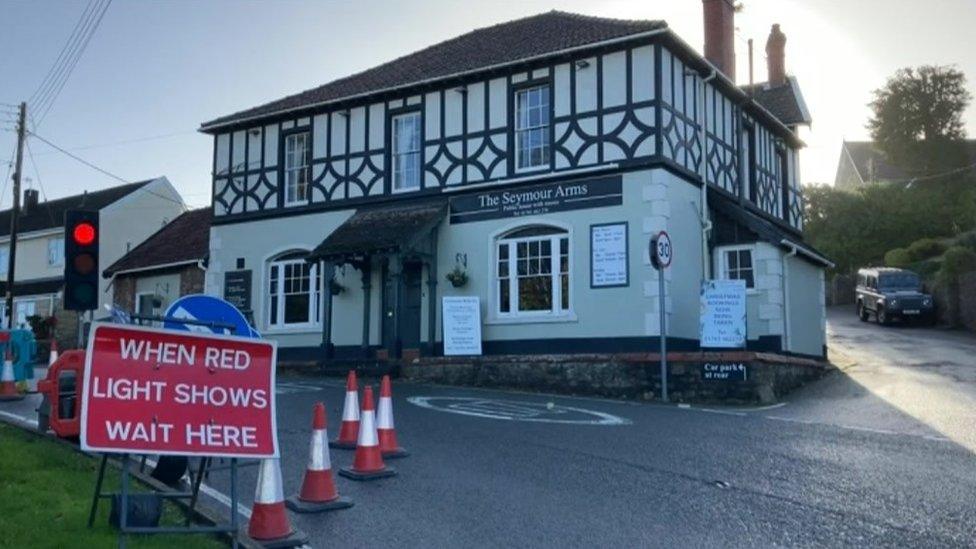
693,377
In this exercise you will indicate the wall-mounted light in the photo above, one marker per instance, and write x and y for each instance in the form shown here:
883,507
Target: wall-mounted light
461,259
582,64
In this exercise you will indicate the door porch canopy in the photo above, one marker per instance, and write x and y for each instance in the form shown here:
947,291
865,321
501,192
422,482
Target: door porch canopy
396,233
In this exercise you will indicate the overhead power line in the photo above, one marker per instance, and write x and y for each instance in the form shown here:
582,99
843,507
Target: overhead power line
104,171
50,88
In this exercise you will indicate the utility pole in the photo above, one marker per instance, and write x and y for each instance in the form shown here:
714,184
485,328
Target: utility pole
15,212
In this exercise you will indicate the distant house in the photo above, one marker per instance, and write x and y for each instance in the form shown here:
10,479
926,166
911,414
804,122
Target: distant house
169,264
127,215
862,163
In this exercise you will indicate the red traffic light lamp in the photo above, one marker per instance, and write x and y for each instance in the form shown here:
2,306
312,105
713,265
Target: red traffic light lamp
83,233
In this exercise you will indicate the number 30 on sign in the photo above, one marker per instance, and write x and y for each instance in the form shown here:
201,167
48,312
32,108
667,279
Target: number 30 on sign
661,251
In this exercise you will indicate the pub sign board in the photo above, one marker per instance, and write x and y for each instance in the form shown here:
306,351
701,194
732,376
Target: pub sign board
537,199
237,289
157,391
724,371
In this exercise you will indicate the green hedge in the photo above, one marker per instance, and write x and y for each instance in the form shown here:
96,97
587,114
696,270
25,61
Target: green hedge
899,257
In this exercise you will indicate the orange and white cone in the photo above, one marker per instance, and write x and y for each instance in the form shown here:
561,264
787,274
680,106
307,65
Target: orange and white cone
318,491
53,355
384,423
368,462
8,383
349,430
269,524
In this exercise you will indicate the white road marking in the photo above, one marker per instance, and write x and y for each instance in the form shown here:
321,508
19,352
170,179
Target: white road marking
510,410
858,428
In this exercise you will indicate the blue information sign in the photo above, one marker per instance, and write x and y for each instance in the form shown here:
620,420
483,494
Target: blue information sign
207,308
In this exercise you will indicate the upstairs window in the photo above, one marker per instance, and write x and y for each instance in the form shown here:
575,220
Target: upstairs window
55,252
532,272
4,260
748,160
736,264
293,292
297,172
406,152
532,128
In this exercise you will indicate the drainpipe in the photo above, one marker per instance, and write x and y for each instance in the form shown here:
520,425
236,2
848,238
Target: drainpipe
786,292
706,223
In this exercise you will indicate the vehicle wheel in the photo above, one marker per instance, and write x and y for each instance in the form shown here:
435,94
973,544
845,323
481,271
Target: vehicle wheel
862,313
883,317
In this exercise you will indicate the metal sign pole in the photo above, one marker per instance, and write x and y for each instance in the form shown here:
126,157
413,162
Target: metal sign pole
664,336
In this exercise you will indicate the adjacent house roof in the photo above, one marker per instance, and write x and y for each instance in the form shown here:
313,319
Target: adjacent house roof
873,166
380,230
785,101
50,214
186,239
479,49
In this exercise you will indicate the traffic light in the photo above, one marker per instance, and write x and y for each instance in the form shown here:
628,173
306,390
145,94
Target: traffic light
81,260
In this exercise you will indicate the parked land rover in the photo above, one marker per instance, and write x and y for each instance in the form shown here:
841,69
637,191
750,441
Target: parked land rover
892,294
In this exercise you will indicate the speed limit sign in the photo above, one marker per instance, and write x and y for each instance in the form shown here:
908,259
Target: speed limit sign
661,251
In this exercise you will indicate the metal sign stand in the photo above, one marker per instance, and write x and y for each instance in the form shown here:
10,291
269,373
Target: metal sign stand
661,254
203,470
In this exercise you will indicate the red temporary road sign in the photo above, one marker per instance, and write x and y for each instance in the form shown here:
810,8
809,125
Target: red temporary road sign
154,391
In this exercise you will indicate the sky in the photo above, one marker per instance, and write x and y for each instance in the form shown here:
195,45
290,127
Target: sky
155,70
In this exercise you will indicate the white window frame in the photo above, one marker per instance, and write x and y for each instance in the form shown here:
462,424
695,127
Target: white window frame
514,315
314,302
301,170
17,305
138,309
520,128
56,245
723,263
397,184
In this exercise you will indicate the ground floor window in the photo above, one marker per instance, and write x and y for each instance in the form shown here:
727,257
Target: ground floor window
736,264
532,272
293,292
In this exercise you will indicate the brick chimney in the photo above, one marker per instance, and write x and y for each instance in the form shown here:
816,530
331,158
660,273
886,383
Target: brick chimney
719,35
776,56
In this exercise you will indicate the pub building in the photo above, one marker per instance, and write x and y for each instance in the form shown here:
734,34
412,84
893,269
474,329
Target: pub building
526,164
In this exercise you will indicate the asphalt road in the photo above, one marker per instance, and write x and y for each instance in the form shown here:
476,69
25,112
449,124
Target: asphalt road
877,454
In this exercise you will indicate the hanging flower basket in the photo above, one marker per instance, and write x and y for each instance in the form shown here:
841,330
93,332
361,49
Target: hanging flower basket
458,278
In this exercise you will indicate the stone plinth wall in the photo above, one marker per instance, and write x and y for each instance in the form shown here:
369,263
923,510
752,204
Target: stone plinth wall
634,375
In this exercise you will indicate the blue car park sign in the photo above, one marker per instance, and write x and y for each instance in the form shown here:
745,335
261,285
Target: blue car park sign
206,308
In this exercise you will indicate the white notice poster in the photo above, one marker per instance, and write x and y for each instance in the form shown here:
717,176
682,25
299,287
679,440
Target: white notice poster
462,325
723,314
608,255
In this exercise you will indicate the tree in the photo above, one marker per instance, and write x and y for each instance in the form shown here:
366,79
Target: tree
917,118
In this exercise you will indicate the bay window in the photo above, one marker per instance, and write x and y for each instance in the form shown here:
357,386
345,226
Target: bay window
293,292
532,272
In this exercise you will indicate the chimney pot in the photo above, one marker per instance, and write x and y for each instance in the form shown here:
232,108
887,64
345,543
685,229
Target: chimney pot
719,19
30,201
776,56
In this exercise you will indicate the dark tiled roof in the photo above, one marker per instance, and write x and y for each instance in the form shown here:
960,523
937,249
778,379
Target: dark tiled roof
380,229
35,287
186,238
503,43
763,229
50,214
784,101
873,166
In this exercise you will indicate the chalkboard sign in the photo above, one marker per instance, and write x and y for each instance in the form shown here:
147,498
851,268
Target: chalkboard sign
237,289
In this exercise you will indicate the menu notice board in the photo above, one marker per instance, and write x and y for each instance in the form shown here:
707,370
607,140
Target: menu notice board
462,325
608,255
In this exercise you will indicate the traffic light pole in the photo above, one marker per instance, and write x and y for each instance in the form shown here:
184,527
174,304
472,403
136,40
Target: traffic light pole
15,212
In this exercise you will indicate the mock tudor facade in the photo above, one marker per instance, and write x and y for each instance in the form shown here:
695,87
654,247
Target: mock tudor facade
531,161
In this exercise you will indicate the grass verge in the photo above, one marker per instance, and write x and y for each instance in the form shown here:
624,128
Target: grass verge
45,496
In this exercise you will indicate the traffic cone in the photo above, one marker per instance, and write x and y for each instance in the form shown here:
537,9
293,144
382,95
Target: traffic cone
368,462
269,525
384,423
8,383
53,355
349,430
318,491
